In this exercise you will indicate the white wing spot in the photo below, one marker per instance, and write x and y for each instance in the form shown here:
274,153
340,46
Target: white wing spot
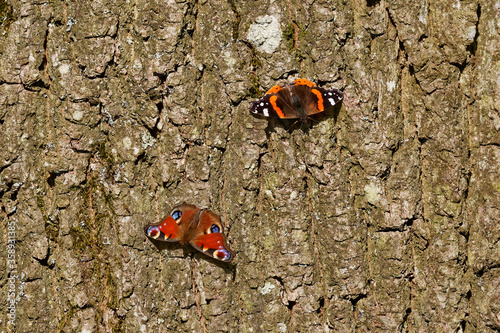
266,112
330,93
331,100
261,103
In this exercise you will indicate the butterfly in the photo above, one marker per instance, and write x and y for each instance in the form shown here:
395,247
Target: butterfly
297,100
201,228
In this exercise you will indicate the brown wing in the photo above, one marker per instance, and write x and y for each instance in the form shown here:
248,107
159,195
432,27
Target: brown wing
315,99
329,97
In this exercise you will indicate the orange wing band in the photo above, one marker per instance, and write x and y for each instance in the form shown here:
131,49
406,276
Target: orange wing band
280,113
320,99
304,82
274,89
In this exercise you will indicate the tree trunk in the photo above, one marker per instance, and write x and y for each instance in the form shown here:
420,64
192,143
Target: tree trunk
382,215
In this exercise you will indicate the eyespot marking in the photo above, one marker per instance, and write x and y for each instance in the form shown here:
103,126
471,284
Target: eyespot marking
153,232
176,215
222,254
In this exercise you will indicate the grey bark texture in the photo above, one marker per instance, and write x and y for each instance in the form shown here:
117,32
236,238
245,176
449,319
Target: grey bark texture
381,216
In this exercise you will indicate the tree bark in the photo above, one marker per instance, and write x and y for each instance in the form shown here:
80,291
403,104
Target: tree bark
382,215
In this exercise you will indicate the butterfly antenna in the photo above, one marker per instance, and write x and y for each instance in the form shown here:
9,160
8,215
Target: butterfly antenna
294,125
316,120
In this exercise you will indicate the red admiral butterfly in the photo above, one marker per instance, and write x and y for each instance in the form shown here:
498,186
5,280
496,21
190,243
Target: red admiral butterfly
299,99
199,227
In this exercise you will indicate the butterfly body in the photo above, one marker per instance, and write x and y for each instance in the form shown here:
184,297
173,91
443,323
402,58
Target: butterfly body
188,224
297,100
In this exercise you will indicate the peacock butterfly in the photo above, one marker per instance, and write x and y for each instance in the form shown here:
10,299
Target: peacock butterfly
199,227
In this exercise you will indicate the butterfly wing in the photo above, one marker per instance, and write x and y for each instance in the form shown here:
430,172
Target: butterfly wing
315,99
174,226
209,237
275,104
327,97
